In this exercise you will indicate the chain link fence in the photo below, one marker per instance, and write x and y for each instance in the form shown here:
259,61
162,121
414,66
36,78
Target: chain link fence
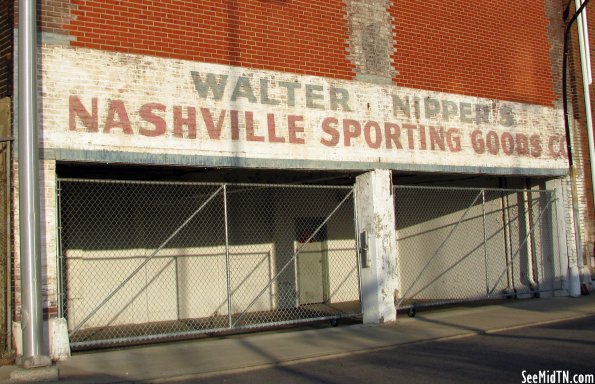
461,244
142,261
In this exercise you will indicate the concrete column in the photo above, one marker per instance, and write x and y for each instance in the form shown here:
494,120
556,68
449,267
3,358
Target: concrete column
376,218
567,249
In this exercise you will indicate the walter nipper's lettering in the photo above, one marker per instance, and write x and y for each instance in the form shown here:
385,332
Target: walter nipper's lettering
231,108
211,85
448,111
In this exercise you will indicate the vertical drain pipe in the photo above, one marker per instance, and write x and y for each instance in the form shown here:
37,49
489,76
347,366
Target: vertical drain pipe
583,39
31,307
574,273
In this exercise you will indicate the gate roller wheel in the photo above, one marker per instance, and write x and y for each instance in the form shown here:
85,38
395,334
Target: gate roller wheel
334,322
411,312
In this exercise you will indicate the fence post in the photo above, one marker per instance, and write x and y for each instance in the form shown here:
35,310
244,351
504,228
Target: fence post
507,243
227,260
485,241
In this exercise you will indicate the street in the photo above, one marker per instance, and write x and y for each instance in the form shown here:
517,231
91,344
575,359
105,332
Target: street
514,356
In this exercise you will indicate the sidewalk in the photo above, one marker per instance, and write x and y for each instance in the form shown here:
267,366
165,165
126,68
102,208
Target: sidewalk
200,358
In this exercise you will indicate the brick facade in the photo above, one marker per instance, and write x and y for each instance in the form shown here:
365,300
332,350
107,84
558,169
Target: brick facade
306,37
55,15
578,124
589,204
6,38
499,52
496,49
487,53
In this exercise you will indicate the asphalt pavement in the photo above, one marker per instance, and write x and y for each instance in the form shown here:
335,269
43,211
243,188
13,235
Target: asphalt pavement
193,361
560,350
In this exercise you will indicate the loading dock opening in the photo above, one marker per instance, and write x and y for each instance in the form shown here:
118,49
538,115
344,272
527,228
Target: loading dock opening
146,260
154,253
463,239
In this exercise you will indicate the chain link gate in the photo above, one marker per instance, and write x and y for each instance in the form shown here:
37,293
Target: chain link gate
144,261
465,244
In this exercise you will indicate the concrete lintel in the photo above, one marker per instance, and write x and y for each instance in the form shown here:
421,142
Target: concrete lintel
123,157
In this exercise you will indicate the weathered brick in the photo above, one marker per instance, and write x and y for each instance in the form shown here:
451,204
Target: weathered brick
497,49
256,34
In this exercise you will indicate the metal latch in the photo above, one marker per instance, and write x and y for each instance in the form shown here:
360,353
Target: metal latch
363,249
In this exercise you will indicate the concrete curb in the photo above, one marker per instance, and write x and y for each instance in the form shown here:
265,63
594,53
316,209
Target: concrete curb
43,374
538,323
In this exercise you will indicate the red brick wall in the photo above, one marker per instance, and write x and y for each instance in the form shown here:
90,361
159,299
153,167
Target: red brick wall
581,146
495,49
300,36
6,45
578,125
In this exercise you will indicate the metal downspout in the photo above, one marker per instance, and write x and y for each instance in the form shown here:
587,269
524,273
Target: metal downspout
29,223
575,276
583,39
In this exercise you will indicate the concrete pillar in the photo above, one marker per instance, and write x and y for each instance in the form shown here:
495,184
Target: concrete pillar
567,245
376,218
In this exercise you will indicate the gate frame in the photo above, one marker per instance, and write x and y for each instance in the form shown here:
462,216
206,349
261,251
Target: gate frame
550,206
232,325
